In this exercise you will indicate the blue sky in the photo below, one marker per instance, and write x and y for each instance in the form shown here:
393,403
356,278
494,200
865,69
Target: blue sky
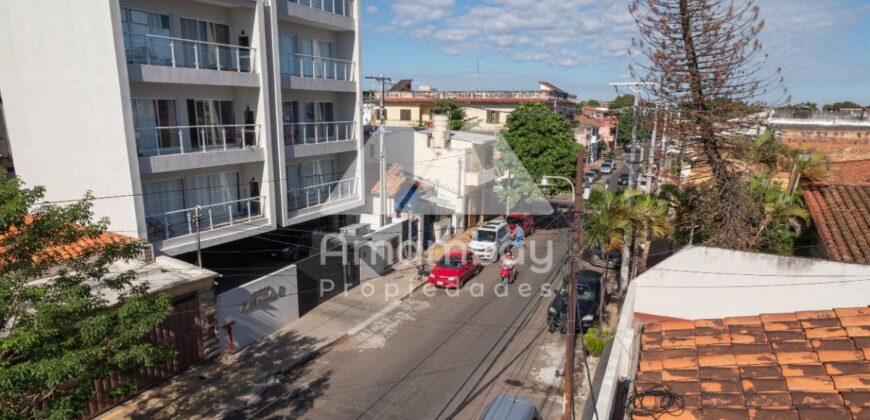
823,47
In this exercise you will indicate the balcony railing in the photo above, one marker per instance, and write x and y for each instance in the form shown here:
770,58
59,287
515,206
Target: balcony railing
316,67
159,141
339,7
178,223
177,52
321,194
318,132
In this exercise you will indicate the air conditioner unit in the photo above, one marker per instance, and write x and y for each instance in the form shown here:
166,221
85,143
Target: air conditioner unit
358,229
146,255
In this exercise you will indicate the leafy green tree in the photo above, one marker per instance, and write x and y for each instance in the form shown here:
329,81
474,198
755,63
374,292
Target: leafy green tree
809,105
593,103
542,142
841,105
622,101
785,216
58,333
454,112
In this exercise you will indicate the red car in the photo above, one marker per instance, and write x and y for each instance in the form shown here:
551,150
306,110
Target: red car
522,219
454,269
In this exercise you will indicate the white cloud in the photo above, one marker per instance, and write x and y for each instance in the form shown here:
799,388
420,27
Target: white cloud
372,8
566,33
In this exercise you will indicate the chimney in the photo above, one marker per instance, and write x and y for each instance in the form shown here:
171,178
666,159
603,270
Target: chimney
440,131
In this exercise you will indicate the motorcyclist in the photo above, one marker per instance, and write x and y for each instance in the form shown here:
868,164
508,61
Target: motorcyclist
509,262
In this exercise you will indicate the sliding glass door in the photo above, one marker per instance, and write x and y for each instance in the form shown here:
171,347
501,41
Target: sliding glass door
163,202
218,194
212,123
139,48
155,122
209,56
291,128
287,52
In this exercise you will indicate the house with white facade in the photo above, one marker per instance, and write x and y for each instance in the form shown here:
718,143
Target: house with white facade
231,117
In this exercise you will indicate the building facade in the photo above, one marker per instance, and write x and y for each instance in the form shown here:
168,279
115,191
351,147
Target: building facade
486,110
231,117
842,135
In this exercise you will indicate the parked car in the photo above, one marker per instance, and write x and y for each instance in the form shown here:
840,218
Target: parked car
606,168
490,240
587,303
623,179
589,178
526,221
505,407
454,269
610,162
614,259
596,172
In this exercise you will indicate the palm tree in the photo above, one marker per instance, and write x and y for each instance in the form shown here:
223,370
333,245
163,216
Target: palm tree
604,232
807,166
648,217
683,204
785,215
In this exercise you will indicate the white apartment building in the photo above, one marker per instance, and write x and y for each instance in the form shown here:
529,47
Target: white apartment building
244,112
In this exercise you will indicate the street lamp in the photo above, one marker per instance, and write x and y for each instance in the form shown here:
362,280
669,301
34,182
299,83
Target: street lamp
545,182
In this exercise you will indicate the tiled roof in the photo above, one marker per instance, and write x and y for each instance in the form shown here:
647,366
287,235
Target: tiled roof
856,172
803,365
842,217
396,179
73,250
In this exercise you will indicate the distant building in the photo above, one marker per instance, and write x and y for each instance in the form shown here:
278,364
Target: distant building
488,109
842,135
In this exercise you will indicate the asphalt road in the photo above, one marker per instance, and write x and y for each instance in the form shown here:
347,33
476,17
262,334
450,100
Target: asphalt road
438,356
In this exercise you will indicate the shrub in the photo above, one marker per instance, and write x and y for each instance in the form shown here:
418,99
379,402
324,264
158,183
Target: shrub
595,340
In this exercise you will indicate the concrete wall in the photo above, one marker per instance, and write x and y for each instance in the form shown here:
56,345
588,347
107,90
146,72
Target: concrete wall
258,308
382,250
67,106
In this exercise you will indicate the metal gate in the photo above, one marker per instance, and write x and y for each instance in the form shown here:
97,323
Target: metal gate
180,330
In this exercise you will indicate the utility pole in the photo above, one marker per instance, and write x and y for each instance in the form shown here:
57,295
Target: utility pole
576,238
382,120
652,150
197,217
636,88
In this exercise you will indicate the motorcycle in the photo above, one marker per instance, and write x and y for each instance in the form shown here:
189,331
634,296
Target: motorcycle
507,274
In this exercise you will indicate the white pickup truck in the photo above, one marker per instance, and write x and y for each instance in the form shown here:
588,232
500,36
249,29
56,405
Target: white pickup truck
490,240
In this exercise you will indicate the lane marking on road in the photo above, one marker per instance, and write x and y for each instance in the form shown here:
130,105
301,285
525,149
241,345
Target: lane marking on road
361,326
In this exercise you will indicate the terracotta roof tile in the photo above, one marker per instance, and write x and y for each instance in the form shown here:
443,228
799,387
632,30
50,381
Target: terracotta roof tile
760,385
750,372
806,365
820,323
834,344
839,355
855,321
827,413
715,400
724,387
773,414
848,368
842,218
791,346
797,358
803,370
858,331
855,172
857,398
680,375
719,373
743,320
817,399
810,383
852,382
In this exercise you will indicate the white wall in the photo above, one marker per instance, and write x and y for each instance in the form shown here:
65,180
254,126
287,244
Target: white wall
67,103
253,320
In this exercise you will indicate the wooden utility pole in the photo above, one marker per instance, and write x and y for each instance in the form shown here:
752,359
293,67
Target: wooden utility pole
382,119
576,238
197,218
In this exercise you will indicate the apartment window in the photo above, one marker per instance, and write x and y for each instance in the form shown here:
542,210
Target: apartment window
216,188
138,47
405,115
493,117
314,57
287,52
212,123
155,122
207,56
309,183
162,200
291,118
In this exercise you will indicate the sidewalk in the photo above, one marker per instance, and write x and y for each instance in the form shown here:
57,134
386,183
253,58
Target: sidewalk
218,388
